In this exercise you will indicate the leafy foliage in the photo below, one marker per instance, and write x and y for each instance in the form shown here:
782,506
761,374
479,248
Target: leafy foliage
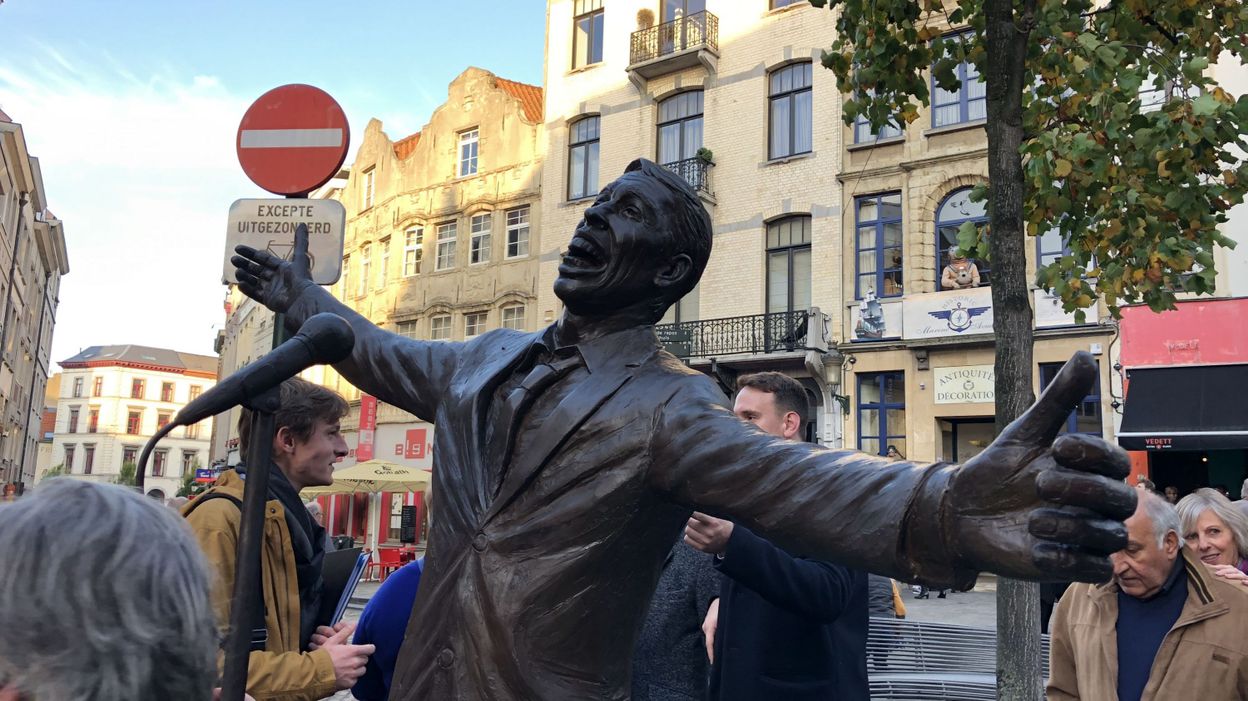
54,471
126,475
189,486
1130,149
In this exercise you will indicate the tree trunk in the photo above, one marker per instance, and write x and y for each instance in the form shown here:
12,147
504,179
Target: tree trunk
1018,603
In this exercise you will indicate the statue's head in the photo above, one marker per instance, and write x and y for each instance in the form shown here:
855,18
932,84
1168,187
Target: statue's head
643,243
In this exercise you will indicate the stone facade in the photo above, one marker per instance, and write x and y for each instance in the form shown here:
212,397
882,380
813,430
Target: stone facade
32,260
114,398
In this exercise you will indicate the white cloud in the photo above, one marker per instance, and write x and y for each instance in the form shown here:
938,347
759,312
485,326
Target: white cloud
142,170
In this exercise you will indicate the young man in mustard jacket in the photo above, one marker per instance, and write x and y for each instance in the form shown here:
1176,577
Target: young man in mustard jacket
283,665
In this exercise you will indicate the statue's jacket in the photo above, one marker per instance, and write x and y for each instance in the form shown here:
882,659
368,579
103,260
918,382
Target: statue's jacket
535,585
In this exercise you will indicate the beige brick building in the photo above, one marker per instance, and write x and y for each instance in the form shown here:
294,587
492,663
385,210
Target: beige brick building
32,260
919,367
661,80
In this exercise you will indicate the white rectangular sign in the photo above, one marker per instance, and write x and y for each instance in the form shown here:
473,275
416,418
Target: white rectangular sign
1049,312
269,224
951,313
969,384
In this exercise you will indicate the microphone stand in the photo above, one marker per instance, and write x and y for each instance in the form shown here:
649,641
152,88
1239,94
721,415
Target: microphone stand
247,571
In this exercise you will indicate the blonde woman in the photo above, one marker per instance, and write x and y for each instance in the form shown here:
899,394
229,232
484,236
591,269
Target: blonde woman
1216,532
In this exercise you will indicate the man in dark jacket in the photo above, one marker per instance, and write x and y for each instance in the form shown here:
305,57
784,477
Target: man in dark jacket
669,663
787,627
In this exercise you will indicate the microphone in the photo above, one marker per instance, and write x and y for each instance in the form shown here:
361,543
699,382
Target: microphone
324,339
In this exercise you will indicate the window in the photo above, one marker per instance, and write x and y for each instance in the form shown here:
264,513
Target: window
138,388
1086,417
684,310
384,270
966,104
446,247
1050,247
130,454
77,387
790,111
587,33
479,243
134,420
413,243
188,460
474,324
863,133
69,458
191,432
97,387
788,264
513,317
680,127
468,152
166,391
88,458
518,232
162,420
159,458
93,420
777,4
956,209
583,158
346,269
366,269
878,247
73,420
370,182
195,392
882,412
440,327
406,329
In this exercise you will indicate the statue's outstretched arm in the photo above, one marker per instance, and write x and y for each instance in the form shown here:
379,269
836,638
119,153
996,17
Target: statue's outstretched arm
403,372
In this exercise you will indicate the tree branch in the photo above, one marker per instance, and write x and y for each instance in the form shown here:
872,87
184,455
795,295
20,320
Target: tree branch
1148,19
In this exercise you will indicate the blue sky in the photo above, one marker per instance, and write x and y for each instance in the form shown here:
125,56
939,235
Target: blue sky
132,108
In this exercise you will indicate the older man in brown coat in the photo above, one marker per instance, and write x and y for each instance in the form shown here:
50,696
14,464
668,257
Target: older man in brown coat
1163,628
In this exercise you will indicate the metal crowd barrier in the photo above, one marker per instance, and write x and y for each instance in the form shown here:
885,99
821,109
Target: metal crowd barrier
912,660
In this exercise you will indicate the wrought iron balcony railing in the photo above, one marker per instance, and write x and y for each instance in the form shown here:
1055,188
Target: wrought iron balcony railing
695,171
756,334
699,30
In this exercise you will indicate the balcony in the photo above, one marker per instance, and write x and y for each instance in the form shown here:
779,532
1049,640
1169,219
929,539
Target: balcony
672,46
757,334
696,172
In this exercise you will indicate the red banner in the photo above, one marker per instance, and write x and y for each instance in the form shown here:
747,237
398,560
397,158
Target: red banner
415,444
368,426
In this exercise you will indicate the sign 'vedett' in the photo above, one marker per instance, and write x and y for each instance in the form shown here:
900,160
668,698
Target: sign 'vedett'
293,139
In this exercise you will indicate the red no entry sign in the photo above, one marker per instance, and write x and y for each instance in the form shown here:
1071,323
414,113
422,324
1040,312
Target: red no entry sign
293,139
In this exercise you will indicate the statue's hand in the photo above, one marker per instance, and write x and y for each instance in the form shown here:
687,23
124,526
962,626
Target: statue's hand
1033,508
274,282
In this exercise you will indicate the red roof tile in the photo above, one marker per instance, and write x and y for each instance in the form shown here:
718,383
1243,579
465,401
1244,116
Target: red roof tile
530,96
405,146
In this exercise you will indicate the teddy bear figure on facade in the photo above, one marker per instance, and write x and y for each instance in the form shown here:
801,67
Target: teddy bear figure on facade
959,274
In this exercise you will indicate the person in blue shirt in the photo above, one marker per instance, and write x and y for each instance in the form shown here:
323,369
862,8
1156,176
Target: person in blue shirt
383,624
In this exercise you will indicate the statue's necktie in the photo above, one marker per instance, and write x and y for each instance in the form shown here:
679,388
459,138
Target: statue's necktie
521,399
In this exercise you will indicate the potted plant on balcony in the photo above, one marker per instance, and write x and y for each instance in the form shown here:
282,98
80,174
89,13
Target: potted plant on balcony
645,19
704,155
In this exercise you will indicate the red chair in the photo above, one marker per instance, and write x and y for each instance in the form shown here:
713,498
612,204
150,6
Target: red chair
387,561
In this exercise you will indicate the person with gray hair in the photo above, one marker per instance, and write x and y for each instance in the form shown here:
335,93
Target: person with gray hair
1216,532
1153,625
104,595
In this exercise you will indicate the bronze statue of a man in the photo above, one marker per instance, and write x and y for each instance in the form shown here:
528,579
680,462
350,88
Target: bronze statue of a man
568,461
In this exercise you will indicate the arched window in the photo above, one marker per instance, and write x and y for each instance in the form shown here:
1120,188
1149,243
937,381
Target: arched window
680,136
788,264
790,111
583,158
953,212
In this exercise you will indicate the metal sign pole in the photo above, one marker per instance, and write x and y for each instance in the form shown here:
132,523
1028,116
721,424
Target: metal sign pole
247,569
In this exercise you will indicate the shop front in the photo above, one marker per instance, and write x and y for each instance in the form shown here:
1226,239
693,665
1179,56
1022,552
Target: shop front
1185,422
